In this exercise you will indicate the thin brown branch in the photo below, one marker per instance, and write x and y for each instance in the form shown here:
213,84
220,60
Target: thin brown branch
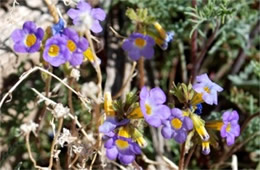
203,53
187,161
52,10
54,142
194,43
182,156
131,75
141,72
246,122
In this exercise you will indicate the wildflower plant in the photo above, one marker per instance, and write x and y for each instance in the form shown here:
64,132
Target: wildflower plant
92,127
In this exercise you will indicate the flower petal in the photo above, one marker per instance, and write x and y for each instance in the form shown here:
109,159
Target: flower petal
126,159
163,112
98,14
96,27
127,45
112,153
106,127
29,26
83,6
134,54
147,52
223,131
20,47
167,132
187,123
109,143
18,35
83,44
157,95
180,136
144,93
39,33
76,59
153,121
230,139
73,13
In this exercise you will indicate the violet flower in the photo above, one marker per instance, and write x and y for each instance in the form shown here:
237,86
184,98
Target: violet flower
58,27
76,45
153,109
56,51
205,87
122,148
28,39
86,17
177,126
138,45
111,122
230,128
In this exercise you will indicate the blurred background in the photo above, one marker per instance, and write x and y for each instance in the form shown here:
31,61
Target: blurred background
220,36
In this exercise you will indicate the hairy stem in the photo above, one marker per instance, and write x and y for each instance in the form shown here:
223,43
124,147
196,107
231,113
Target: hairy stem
194,43
27,138
203,53
181,161
131,75
97,66
52,10
54,142
141,72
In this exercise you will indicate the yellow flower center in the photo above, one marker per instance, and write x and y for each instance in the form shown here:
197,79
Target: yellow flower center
30,40
124,132
71,45
228,128
207,89
176,123
148,109
139,42
88,55
53,50
122,144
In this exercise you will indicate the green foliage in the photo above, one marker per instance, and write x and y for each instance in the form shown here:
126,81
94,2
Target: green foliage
139,16
183,92
247,78
125,107
213,12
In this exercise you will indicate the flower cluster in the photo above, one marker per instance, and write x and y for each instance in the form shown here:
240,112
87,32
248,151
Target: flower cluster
123,119
206,91
124,140
120,142
65,44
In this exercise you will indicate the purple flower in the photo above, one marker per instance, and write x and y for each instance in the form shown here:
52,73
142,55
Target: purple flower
122,148
207,89
76,45
110,124
56,51
230,128
177,126
86,17
58,27
138,45
28,39
151,103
